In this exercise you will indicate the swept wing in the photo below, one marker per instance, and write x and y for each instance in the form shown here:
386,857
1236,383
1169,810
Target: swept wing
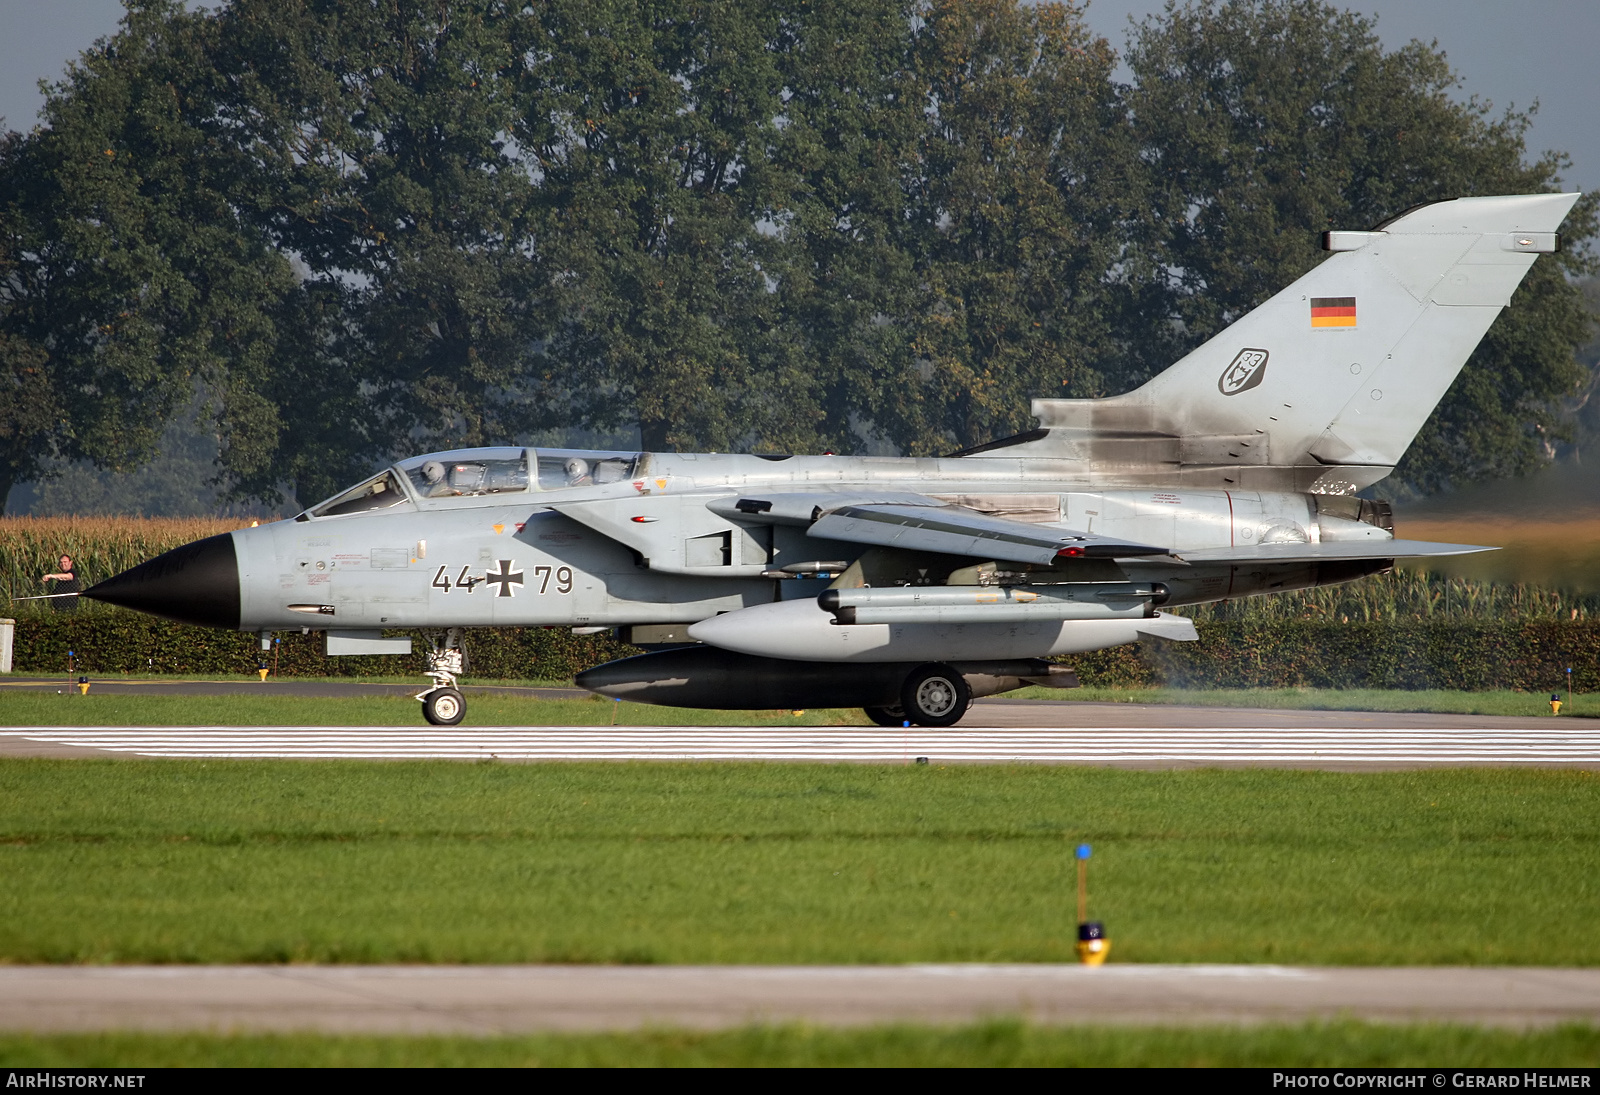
1310,553
918,523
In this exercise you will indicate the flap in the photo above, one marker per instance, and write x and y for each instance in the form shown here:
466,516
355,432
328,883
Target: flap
953,530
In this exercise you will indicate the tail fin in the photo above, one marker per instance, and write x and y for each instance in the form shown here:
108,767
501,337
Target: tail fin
1325,385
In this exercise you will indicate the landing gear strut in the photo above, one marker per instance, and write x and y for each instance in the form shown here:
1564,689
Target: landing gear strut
443,704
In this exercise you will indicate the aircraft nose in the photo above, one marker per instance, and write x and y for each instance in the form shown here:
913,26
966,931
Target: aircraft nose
194,584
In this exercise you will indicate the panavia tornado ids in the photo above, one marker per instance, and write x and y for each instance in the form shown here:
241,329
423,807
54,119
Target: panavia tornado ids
908,586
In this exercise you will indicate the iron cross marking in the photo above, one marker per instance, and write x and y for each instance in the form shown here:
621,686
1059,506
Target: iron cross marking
505,579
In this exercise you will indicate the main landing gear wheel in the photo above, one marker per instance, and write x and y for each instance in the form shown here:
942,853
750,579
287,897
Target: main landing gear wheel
935,695
444,707
886,716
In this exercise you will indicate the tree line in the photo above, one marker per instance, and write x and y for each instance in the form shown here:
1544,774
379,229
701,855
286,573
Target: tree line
360,229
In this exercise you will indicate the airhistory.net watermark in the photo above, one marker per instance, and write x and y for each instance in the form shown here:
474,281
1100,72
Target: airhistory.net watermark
51,1079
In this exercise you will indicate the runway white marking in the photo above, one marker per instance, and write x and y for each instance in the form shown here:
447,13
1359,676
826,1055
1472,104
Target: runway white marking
1084,745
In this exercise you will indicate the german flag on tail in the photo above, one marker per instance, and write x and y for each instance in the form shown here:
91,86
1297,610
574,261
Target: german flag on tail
1333,311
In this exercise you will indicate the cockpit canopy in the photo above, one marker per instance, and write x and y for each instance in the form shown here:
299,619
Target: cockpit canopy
463,473
467,472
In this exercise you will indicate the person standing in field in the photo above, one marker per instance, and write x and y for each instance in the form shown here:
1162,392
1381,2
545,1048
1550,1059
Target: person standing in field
66,581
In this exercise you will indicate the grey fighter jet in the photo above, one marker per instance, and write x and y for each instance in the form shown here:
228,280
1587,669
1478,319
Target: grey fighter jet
908,586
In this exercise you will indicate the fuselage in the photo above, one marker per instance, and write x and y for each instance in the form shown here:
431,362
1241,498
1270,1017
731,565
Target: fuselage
534,554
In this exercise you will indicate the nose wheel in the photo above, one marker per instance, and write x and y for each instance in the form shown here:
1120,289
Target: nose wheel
443,704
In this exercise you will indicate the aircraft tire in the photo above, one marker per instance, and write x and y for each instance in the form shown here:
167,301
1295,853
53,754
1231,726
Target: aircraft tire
886,716
935,695
444,707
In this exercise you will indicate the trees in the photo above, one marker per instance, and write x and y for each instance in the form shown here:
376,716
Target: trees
125,280
28,403
306,211
652,129
371,146
357,230
1028,190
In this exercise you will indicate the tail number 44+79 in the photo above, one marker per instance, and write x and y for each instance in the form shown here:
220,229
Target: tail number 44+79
506,579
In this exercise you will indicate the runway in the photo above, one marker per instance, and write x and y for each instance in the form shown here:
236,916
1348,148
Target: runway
1337,748
513,999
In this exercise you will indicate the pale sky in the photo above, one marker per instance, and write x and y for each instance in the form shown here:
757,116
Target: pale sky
1505,51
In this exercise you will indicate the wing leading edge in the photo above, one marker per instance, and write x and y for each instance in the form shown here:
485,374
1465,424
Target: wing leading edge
1309,553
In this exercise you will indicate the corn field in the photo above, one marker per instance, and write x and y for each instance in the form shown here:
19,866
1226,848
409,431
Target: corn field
1407,595
1555,554
31,547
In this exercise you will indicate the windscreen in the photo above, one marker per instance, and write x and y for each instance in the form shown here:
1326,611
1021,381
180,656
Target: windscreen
379,492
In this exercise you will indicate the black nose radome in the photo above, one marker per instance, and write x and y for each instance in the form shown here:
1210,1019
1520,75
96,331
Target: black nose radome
195,584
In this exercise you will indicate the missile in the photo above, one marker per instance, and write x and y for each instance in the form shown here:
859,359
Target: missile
804,631
993,604
807,570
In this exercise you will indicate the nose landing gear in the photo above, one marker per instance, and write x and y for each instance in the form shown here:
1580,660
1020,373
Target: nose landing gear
443,704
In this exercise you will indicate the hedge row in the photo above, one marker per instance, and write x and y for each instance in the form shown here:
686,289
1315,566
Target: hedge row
1528,656
126,642
1520,655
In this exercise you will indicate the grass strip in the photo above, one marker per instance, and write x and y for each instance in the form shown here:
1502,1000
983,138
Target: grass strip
18,708
998,1043
412,680
264,861
1443,701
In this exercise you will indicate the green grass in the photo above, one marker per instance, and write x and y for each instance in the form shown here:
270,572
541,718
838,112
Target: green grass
1523,704
411,679
27,707
257,861
33,708
999,1043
